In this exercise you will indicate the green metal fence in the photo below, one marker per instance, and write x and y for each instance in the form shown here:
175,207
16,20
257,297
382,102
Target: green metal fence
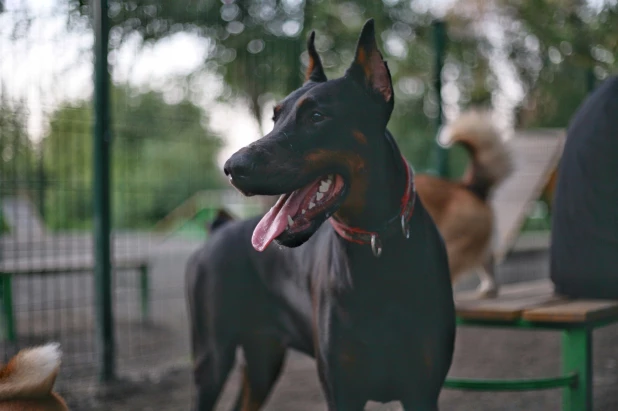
93,167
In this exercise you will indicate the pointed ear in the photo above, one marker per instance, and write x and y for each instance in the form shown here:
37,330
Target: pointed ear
315,71
368,67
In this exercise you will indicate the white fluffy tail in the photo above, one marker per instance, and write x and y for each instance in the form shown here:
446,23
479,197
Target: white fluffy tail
30,373
491,160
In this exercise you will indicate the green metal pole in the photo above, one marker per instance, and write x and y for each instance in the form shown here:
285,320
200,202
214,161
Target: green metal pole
528,384
7,306
577,358
102,214
1,218
41,186
439,31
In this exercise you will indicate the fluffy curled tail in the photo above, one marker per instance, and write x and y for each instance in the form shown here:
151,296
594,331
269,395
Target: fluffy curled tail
31,373
491,161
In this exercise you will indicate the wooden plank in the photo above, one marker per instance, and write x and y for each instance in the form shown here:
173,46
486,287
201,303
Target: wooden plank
512,301
574,311
501,309
61,264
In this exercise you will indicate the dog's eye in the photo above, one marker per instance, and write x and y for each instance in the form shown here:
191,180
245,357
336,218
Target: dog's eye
316,117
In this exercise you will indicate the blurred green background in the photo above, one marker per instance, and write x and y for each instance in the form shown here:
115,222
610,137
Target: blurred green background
532,60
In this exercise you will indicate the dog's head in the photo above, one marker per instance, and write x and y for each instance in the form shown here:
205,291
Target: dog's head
323,134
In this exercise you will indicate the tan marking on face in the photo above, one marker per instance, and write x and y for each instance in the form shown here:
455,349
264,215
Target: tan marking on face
360,137
354,204
277,109
300,102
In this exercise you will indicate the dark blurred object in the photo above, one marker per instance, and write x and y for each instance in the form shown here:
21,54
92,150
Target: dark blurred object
222,217
584,244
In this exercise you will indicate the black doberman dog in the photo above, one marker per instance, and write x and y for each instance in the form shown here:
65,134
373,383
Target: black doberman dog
368,294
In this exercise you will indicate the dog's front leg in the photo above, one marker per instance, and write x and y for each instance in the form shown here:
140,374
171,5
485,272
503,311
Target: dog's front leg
341,394
341,385
325,381
341,376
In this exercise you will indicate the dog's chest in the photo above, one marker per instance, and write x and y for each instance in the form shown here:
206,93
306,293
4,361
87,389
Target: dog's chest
368,315
390,300
376,316
379,339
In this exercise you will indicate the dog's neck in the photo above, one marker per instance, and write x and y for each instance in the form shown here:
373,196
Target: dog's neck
376,191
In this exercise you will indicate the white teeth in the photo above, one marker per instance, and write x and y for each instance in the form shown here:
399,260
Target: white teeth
324,186
318,196
311,205
303,212
290,221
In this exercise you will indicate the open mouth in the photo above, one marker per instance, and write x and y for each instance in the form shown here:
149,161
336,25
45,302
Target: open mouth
294,212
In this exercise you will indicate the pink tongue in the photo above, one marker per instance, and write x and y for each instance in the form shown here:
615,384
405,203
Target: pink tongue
276,220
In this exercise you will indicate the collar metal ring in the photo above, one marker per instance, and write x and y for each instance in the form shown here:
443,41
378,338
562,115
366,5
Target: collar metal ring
405,227
376,245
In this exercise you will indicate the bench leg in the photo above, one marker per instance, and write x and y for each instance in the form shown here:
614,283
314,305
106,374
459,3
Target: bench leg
577,358
144,292
7,307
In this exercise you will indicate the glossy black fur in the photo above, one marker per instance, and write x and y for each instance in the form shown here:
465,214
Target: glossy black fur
380,329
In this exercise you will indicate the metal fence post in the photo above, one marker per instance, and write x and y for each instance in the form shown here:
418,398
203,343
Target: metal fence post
101,155
441,153
41,186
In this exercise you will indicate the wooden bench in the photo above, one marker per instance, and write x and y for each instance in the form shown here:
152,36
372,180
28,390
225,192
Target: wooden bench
62,265
534,305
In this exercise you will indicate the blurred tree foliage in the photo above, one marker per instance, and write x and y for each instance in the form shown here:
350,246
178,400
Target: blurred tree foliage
560,49
17,154
16,150
259,48
163,154
556,48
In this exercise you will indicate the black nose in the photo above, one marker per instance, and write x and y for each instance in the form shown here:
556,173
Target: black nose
239,166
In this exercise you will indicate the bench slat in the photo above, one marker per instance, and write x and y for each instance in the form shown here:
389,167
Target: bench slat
509,305
501,309
575,311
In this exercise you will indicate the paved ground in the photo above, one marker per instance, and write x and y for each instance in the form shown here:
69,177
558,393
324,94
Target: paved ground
153,357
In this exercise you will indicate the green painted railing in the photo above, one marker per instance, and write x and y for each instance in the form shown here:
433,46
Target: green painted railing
531,384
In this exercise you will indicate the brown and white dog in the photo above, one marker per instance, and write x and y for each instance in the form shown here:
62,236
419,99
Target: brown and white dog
27,380
461,208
